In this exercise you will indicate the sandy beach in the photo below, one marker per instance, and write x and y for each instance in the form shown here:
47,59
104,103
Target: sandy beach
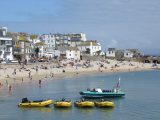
15,73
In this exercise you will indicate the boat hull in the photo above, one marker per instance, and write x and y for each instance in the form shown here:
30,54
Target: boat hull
36,104
104,104
85,104
62,104
88,94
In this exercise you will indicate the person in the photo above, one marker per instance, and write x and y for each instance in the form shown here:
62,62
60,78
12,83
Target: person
36,69
40,83
19,62
52,74
94,90
88,89
31,77
14,71
7,82
29,74
83,99
25,61
63,99
102,100
0,84
10,88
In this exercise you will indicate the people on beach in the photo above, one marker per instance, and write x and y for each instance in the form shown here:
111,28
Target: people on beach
7,76
7,82
14,71
1,84
22,79
52,75
36,69
40,83
29,74
31,77
10,88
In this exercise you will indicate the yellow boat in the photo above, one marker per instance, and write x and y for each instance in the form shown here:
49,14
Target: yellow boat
63,104
104,104
40,103
84,104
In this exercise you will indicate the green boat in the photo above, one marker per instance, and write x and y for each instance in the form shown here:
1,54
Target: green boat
99,93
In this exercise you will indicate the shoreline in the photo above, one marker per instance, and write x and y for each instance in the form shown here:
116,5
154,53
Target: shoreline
22,75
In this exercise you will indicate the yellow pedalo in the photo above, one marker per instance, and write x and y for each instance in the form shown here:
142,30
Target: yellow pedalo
63,104
84,104
104,104
39,103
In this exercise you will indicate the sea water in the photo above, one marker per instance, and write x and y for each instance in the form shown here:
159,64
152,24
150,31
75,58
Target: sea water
141,102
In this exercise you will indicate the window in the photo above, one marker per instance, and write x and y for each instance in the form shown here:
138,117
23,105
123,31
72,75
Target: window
69,54
48,41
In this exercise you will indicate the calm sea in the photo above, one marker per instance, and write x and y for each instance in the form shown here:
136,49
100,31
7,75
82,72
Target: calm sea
142,100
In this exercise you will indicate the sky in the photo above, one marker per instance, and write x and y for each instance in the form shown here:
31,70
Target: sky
122,24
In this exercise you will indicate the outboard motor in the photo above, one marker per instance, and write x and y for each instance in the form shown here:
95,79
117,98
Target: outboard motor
24,100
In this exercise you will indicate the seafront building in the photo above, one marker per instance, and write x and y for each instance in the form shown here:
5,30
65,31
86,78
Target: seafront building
111,53
127,54
91,47
73,53
5,45
21,46
55,41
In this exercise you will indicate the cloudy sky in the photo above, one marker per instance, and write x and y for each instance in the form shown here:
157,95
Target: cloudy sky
114,23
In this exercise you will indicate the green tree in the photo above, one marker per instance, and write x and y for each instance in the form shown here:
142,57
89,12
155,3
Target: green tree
98,52
33,36
88,51
37,51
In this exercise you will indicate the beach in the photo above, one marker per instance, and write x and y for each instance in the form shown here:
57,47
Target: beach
11,73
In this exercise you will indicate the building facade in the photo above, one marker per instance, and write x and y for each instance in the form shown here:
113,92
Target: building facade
73,53
6,48
89,47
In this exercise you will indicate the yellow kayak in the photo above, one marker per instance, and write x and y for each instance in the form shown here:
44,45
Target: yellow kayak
84,104
104,104
40,103
63,104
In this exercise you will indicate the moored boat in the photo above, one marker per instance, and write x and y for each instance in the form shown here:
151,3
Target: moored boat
63,104
39,103
99,93
104,104
84,104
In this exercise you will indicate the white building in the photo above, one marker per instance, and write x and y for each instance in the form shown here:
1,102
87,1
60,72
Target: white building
49,40
42,49
5,45
53,41
111,52
128,54
91,46
73,53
